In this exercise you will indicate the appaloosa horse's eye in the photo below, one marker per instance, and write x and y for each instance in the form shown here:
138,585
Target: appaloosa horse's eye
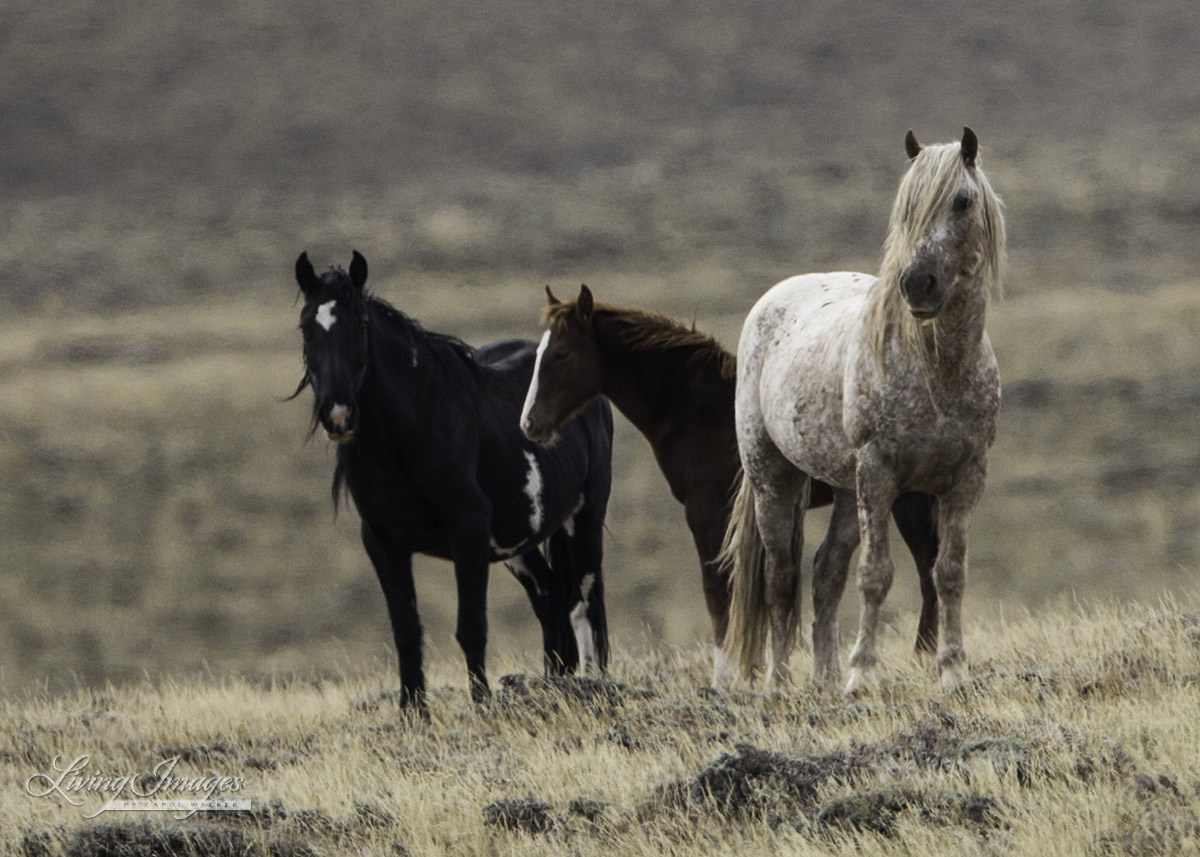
962,201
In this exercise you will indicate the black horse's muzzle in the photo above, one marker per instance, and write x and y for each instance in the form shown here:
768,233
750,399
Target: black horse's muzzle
339,422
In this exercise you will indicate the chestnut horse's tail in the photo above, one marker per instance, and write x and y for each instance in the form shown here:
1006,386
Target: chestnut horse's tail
743,554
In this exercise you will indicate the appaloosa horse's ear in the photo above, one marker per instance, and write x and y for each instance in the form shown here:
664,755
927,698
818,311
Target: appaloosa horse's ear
358,270
306,277
911,146
551,300
585,304
970,147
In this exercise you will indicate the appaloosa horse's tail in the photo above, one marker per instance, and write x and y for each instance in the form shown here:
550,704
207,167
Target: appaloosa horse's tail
743,553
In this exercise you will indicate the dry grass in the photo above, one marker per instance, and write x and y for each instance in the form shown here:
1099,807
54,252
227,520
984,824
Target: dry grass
1077,736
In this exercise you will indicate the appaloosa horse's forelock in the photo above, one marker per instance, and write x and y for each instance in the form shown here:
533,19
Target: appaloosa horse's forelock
876,385
430,451
676,385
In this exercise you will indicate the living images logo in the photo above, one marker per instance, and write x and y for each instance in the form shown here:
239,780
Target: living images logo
158,790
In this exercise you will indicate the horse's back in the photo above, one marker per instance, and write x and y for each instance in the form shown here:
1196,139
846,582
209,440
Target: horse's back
497,353
792,361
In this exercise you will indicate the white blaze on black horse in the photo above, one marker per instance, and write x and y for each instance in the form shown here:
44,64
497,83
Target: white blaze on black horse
676,385
430,451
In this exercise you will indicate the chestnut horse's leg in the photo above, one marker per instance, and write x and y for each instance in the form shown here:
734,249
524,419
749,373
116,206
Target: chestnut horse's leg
830,568
915,515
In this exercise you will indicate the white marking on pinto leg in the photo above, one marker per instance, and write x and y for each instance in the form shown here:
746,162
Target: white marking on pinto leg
569,523
325,316
533,490
521,571
531,396
584,640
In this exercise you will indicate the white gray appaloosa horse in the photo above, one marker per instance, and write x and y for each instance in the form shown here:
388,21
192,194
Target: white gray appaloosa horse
876,385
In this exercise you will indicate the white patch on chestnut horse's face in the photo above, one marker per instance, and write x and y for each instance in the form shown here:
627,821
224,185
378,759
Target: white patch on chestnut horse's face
325,316
531,394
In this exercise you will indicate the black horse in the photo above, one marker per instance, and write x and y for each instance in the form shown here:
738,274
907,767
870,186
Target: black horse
430,450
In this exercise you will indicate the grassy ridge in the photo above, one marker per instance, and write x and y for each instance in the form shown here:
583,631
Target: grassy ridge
1077,736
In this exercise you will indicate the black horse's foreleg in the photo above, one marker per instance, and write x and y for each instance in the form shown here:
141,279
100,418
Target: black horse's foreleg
393,565
471,554
916,518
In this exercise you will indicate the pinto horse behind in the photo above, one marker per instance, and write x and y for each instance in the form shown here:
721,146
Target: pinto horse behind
430,451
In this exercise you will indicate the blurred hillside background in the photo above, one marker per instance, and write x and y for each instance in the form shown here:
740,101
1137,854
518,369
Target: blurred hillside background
161,166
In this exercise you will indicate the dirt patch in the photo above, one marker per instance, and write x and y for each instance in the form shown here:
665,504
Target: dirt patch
546,692
175,839
1159,818
755,783
522,814
877,811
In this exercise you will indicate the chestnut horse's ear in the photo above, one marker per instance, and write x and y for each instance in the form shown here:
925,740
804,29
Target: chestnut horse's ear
585,304
358,270
970,147
551,300
306,277
911,146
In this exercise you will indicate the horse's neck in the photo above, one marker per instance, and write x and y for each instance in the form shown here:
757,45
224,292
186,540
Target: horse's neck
956,339
643,384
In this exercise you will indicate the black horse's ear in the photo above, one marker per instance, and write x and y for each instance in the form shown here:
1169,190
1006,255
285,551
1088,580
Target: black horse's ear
306,277
911,146
585,304
970,147
551,300
358,270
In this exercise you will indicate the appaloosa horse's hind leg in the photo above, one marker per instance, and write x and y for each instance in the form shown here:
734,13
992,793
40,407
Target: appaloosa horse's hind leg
780,498
393,565
548,596
830,568
915,515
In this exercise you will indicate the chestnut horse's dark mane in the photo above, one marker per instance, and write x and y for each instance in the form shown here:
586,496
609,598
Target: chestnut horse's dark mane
643,330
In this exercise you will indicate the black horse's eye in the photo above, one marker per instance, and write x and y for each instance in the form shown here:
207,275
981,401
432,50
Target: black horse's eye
962,202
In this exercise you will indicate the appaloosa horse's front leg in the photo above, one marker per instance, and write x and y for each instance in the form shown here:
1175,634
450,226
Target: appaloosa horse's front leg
393,566
830,568
876,490
950,570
